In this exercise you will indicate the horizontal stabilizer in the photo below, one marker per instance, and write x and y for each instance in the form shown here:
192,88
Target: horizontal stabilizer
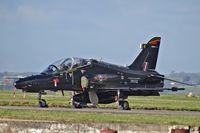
161,77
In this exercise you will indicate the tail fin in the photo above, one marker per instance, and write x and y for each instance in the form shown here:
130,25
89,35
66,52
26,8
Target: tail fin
147,58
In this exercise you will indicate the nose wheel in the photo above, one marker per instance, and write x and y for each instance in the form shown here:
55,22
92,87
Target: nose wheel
42,103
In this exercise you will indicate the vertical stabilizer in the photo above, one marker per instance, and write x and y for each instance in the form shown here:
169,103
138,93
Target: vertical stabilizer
147,58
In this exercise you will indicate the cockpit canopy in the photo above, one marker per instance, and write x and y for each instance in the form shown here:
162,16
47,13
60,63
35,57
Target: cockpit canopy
66,65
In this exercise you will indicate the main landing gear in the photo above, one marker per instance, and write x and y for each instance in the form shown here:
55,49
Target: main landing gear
42,103
78,104
80,100
123,105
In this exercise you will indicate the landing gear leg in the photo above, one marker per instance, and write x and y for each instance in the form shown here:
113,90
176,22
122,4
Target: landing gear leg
42,103
123,105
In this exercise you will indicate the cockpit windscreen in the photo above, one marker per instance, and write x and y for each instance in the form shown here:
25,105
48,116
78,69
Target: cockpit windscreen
65,65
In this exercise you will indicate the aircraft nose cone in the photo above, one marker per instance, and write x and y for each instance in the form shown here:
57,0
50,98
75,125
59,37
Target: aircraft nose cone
19,84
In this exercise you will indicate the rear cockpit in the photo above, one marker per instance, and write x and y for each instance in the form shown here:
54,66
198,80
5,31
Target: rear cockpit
66,65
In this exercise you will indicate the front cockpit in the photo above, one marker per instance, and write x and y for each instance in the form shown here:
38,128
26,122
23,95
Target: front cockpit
66,65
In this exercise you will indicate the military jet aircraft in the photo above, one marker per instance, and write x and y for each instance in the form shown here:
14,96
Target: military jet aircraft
98,82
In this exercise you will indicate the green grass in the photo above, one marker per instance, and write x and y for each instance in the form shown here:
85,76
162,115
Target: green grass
54,99
82,117
164,102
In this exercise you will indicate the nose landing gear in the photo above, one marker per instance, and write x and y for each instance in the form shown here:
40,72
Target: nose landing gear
42,103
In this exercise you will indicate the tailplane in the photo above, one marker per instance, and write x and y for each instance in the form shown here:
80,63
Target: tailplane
147,58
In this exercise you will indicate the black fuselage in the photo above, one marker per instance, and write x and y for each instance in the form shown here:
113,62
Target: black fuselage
100,79
105,78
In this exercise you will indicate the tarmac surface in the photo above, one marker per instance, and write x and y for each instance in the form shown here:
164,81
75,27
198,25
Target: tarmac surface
100,110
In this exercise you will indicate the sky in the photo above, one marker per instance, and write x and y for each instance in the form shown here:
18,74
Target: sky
35,33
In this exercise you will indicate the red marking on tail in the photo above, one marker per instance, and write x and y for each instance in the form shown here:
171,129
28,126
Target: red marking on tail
154,42
145,66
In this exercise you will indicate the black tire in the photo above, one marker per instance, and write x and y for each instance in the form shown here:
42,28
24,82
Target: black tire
42,103
77,105
124,105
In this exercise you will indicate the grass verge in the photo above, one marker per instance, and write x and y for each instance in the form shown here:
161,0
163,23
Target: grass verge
171,101
83,117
